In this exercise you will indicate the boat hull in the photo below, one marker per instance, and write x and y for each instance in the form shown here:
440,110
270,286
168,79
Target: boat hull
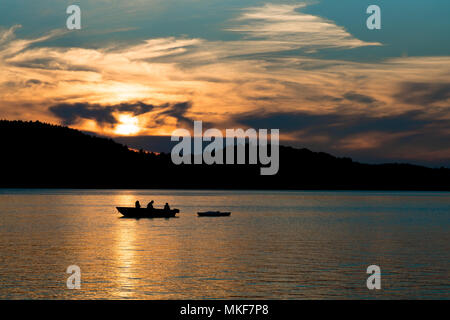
132,212
213,214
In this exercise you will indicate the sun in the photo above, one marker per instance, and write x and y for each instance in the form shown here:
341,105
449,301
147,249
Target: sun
128,125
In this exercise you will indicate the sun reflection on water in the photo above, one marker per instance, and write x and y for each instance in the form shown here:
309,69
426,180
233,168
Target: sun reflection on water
315,245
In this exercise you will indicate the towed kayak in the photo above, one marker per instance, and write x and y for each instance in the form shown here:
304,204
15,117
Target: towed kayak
213,214
133,212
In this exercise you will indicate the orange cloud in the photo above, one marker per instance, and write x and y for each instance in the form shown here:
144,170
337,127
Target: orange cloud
219,78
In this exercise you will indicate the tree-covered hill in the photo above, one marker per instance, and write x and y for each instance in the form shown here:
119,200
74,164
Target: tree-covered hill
35,154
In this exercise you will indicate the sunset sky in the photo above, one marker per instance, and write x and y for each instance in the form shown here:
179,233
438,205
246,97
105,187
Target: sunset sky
312,69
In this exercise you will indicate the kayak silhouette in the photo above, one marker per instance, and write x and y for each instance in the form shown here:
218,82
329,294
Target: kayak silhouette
213,214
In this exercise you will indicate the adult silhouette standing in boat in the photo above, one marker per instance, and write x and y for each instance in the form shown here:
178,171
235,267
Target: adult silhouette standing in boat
150,205
137,204
166,207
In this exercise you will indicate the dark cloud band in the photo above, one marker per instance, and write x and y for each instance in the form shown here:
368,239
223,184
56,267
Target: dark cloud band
71,113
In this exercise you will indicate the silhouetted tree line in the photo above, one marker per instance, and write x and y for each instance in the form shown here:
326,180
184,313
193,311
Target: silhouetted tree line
36,154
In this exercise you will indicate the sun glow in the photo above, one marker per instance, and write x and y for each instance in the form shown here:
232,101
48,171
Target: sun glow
128,125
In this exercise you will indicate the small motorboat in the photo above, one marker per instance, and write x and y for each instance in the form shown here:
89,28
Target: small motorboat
213,214
137,213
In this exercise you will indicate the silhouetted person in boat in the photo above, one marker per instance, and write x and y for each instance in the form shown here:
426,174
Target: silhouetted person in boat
166,207
137,204
150,205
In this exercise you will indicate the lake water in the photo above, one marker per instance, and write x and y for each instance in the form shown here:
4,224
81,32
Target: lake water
275,245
